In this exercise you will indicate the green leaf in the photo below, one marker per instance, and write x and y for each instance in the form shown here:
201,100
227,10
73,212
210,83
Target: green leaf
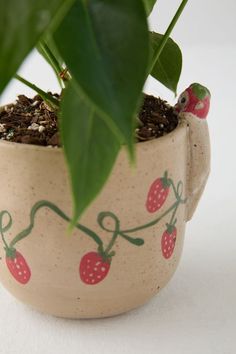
168,67
90,148
22,22
105,46
149,4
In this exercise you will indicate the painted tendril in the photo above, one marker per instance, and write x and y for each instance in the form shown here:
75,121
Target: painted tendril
95,265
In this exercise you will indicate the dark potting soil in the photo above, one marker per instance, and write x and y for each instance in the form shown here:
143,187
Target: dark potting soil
156,118
32,121
29,121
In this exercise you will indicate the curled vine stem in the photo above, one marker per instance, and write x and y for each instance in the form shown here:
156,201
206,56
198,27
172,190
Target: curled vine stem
107,221
107,214
102,217
178,191
5,228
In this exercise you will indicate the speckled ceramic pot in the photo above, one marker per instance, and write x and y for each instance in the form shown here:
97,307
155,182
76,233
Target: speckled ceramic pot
127,245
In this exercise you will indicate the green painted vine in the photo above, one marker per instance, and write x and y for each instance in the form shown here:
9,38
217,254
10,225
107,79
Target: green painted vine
95,265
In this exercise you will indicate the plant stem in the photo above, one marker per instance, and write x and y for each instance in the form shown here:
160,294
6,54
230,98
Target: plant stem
53,60
53,102
167,33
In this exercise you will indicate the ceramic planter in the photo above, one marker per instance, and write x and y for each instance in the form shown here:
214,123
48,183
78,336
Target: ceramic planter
128,243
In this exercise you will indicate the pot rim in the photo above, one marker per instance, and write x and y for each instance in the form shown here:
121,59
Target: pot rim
57,150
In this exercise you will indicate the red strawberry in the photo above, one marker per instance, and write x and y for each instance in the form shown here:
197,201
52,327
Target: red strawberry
93,268
17,266
158,193
168,241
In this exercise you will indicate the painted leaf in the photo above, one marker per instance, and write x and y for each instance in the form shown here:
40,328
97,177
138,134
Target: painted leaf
21,25
90,148
149,4
169,65
106,48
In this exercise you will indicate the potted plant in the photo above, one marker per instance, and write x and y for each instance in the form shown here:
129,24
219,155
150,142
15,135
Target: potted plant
126,223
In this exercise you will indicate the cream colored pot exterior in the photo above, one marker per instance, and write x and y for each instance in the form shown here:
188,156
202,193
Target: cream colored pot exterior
30,174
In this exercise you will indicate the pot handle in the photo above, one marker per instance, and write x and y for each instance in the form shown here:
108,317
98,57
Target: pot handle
198,166
193,106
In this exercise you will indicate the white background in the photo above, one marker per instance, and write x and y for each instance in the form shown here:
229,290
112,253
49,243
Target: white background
196,312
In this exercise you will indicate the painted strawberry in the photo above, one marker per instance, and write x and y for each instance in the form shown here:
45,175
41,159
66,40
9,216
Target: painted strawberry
196,100
168,241
18,266
94,267
158,193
